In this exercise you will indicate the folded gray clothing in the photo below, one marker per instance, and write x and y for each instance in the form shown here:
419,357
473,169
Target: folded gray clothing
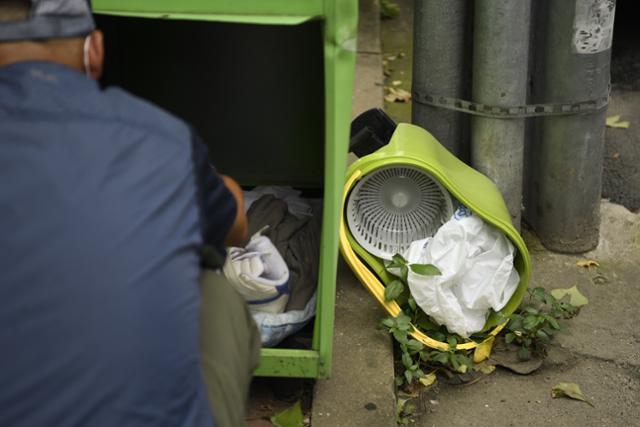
297,240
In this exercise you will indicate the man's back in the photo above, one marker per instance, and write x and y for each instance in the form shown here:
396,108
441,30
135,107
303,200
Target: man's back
99,255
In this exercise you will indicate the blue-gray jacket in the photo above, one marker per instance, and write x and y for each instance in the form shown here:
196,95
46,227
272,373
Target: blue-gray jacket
105,202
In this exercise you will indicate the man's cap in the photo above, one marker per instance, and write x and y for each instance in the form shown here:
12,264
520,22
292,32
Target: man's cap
50,19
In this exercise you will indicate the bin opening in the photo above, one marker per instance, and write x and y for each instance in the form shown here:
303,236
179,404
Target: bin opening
254,93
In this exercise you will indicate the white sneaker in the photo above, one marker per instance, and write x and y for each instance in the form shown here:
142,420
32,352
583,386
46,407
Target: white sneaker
260,274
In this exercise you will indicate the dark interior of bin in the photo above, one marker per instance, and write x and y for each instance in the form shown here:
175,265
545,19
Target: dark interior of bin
255,93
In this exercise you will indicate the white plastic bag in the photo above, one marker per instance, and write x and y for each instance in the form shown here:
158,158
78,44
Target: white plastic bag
476,261
276,327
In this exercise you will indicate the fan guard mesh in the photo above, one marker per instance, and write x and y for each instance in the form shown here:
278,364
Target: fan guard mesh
393,206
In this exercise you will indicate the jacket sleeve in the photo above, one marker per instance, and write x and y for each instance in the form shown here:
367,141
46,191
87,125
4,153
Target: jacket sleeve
217,205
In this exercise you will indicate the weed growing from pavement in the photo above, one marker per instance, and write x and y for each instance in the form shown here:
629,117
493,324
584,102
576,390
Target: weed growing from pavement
529,330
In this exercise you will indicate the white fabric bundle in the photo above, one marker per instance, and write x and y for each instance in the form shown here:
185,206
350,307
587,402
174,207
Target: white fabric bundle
476,261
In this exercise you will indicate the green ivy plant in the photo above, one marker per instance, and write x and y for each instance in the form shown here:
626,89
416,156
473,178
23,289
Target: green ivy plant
536,321
531,327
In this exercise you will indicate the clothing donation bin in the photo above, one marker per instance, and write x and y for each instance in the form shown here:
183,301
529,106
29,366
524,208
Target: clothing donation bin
268,86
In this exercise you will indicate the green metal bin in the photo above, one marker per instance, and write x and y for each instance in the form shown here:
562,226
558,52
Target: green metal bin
288,65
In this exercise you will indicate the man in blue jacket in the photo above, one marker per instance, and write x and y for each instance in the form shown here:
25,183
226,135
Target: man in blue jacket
105,204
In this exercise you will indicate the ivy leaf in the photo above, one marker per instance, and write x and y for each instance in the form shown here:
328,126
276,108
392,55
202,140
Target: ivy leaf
552,322
441,357
403,322
393,290
530,322
408,375
538,294
508,338
414,345
399,380
399,260
438,336
531,310
426,269
389,322
543,335
412,303
453,358
452,341
407,361
400,336
524,353
404,272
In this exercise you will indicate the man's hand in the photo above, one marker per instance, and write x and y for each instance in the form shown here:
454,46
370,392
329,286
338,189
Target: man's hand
239,231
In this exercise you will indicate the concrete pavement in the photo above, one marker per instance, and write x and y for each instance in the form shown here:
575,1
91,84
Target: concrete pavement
601,353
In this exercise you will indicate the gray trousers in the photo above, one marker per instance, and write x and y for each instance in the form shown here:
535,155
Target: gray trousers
230,349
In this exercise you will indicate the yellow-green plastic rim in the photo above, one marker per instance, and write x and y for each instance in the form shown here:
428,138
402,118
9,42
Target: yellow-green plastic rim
376,288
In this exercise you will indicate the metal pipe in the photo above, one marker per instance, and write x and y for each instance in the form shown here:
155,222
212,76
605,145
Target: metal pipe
440,56
500,65
565,155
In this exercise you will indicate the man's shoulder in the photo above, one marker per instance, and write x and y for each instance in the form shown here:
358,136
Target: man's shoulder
131,110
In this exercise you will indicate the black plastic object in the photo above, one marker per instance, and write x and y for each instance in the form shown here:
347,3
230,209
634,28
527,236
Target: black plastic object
370,131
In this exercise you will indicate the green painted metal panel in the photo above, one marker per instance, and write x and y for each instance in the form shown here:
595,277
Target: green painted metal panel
339,54
247,11
244,19
288,363
281,94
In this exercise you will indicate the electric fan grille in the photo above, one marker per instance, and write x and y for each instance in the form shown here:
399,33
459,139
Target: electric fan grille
394,206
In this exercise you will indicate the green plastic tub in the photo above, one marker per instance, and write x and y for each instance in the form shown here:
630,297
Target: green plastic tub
413,146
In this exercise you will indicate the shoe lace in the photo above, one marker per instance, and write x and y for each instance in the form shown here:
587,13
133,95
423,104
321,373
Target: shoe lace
238,254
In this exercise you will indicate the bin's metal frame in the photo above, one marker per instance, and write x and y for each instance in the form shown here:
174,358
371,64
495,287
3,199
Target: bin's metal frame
339,33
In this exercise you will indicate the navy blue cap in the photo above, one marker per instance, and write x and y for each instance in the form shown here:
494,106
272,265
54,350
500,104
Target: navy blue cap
50,19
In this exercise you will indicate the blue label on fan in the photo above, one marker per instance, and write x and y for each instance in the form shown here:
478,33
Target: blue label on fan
462,212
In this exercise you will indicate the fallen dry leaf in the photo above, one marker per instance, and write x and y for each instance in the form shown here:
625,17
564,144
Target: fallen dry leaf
428,379
570,390
485,368
586,263
614,122
397,95
575,296
291,417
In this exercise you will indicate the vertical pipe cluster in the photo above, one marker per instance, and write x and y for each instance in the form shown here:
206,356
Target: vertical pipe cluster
440,67
565,155
570,56
500,65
